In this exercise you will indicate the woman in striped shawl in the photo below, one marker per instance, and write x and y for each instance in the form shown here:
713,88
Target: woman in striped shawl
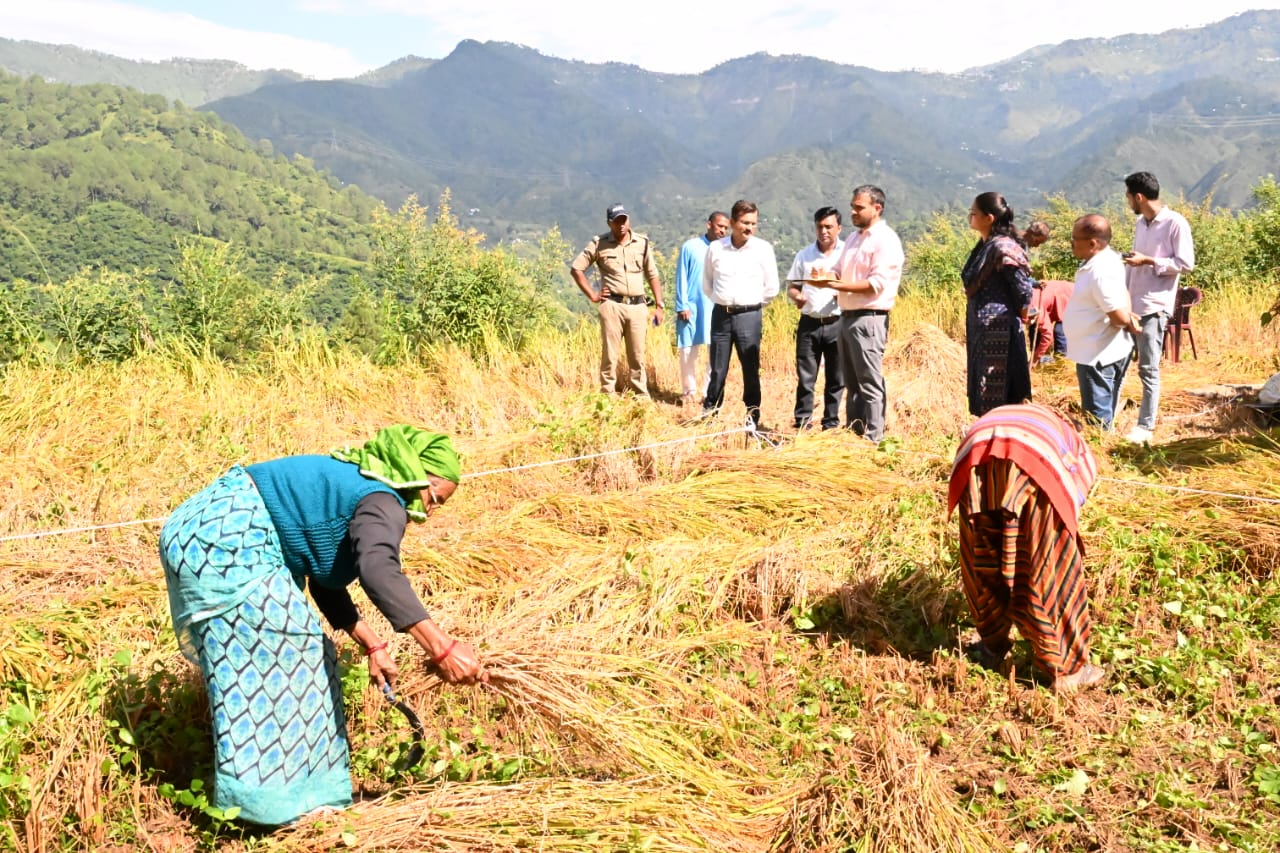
1019,479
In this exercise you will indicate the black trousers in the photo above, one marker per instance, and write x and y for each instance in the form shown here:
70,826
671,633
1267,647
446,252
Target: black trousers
818,342
741,332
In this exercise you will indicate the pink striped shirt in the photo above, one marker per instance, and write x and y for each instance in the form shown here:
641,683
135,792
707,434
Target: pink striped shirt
872,254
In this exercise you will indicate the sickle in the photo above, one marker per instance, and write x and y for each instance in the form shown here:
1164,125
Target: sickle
415,753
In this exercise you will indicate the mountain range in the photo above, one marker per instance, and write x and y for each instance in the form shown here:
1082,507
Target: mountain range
525,140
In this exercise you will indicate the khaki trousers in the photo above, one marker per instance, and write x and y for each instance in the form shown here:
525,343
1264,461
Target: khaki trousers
621,324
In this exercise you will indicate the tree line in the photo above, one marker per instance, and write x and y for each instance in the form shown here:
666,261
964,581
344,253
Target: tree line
427,282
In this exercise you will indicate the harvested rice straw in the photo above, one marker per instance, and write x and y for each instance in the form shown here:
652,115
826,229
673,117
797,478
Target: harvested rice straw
562,815
627,712
1218,468
779,489
895,801
926,375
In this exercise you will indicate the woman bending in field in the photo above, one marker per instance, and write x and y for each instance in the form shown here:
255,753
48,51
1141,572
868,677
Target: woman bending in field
236,558
1019,479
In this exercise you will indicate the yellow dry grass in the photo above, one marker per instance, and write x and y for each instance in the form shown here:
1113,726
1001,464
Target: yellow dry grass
634,609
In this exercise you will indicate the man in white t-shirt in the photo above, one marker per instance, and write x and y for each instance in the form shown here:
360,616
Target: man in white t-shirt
1097,320
818,330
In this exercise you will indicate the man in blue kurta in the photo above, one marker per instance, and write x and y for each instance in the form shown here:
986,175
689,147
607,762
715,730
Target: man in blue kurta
693,308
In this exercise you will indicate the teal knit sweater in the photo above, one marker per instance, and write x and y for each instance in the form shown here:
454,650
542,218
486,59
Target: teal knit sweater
311,500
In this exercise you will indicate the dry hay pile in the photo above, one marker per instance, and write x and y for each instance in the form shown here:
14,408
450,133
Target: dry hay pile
925,373
595,610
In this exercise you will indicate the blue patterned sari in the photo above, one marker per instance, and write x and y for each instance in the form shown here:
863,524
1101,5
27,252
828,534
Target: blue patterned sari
280,740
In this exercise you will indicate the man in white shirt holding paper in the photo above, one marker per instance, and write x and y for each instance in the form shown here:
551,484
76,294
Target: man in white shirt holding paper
818,329
869,272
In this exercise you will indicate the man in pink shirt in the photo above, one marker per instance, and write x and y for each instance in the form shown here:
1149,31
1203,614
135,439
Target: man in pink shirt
1162,251
869,271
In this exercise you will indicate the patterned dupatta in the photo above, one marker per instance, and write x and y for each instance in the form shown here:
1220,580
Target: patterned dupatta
989,257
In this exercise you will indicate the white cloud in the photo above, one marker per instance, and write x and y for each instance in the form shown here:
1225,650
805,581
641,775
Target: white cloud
676,36
137,33
659,35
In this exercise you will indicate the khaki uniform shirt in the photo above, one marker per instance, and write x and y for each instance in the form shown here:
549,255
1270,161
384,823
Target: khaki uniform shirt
624,269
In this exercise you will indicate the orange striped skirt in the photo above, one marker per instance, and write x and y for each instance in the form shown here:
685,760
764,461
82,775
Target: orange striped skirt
1020,566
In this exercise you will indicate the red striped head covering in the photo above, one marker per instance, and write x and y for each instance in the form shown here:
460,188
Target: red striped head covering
1041,443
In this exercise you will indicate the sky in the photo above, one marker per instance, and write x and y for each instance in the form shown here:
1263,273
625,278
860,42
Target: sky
343,38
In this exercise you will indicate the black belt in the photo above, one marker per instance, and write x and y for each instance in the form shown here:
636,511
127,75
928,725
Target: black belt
822,321
865,312
740,309
628,300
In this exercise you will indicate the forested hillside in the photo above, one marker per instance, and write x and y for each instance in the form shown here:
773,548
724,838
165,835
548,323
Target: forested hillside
104,176
192,81
524,140
527,140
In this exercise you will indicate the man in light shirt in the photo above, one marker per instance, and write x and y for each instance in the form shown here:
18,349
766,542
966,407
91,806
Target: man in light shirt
1097,320
739,275
1162,251
817,332
693,308
869,270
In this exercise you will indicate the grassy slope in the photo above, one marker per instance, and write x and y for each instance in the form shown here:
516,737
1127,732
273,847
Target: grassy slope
642,613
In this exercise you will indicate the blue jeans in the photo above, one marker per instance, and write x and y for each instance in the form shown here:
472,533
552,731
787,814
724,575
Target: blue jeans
1100,390
1150,348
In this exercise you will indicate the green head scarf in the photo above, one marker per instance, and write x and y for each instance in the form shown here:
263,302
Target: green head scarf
402,457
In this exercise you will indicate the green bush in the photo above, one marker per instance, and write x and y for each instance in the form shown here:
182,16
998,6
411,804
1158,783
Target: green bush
20,334
216,308
445,287
1264,231
935,259
97,315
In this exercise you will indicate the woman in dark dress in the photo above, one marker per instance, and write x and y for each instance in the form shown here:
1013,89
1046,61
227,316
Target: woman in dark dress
998,283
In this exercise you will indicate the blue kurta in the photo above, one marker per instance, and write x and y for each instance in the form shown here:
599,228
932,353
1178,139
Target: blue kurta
689,295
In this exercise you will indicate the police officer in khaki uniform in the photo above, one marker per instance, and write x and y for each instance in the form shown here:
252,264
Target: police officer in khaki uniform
626,263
